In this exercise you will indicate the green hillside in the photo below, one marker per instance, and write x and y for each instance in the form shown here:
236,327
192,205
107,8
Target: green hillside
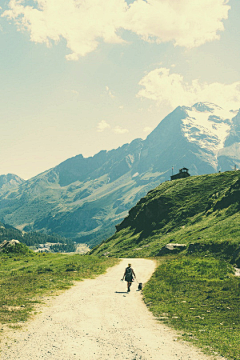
201,210
194,289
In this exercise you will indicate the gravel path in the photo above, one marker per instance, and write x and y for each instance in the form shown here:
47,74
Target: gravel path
96,319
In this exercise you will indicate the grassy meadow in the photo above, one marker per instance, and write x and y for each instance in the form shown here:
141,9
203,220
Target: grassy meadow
25,279
200,297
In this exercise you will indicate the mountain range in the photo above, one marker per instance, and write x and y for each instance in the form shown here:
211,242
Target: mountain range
84,198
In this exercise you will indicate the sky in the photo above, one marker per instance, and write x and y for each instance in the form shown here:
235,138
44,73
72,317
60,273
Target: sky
80,76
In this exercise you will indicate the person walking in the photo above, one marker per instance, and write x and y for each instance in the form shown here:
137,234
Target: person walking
128,275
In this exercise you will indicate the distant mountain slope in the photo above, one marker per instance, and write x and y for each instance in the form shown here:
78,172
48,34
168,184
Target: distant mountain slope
201,210
83,198
9,181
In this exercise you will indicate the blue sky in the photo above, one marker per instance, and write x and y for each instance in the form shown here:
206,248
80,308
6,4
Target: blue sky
81,76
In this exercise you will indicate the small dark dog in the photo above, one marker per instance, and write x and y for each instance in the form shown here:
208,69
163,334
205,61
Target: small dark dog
139,286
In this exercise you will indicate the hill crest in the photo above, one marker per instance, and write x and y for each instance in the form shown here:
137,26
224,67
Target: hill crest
200,210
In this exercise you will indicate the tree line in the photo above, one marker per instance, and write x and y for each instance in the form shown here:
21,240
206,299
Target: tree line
8,232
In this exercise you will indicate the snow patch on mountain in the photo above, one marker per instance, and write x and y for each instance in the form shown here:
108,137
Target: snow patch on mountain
232,151
207,125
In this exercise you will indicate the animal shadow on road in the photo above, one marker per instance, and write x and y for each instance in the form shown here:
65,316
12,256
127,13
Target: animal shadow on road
122,292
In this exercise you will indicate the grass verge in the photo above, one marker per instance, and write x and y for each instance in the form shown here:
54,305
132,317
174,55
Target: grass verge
200,297
25,278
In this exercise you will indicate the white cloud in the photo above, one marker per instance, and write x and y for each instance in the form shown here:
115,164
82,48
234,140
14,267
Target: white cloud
75,92
102,125
120,130
82,24
170,89
187,23
147,129
72,57
110,93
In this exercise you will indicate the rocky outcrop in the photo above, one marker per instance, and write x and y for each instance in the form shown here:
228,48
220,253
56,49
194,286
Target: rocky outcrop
171,249
6,244
9,181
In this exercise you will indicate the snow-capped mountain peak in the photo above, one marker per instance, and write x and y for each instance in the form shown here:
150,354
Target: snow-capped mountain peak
206,107
207,125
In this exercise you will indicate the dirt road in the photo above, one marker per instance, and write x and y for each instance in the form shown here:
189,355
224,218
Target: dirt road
97,319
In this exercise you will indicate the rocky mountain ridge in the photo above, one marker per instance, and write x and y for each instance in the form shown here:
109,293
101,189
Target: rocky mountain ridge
9,181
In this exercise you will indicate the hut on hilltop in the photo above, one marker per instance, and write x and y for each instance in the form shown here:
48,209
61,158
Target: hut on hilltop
183,173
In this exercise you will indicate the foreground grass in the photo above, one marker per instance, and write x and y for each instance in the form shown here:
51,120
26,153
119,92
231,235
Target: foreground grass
25,278
200,297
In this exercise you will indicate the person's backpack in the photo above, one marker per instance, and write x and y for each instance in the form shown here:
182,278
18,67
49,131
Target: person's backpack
128,273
